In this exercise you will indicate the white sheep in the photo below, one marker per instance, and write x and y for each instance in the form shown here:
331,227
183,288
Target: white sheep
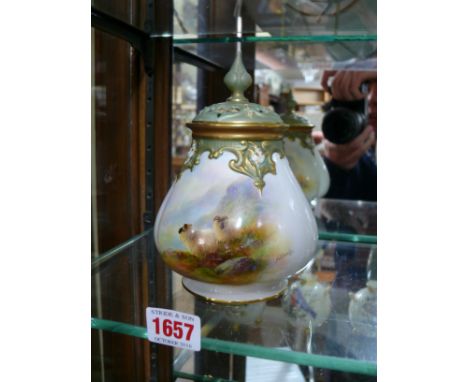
223,229
198,242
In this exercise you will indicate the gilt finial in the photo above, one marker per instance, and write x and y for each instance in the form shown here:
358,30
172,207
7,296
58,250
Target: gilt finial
237,80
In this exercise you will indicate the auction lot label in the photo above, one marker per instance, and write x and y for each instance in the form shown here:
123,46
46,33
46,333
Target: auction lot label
172,328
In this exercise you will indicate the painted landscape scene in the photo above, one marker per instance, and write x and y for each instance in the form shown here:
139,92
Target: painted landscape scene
235,243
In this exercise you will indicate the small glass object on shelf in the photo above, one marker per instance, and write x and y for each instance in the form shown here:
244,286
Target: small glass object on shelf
304,158
307,299
363,310
236,223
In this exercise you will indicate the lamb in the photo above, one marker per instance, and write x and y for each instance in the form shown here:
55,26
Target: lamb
223,229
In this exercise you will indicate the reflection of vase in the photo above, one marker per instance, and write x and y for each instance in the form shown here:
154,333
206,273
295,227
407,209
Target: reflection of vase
307,300
363,310
304,158
248,314
323,174
235,223
372,264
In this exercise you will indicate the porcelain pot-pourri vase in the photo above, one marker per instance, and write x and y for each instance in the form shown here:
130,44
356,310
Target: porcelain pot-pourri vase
304,158
235,223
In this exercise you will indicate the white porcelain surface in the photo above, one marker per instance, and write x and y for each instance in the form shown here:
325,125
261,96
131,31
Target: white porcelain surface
216,227
230,294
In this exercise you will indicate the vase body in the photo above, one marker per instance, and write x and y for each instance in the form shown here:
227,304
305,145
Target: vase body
323,174
304,158
307,165
301,157
234,236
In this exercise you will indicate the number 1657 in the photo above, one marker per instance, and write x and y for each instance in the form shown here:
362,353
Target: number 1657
176,328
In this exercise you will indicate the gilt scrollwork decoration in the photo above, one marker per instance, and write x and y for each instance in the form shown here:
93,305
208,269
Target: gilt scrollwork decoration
252,158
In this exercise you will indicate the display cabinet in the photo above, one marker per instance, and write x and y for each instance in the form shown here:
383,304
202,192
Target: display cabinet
155,64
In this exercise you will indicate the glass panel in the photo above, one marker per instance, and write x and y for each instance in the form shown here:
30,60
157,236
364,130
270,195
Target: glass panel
114,197
119,301
115,171
118,287
312,324
265,18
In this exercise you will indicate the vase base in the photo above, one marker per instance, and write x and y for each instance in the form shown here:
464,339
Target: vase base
235,294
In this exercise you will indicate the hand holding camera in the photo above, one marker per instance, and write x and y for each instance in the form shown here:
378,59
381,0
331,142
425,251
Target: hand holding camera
347,113
345,124
347,155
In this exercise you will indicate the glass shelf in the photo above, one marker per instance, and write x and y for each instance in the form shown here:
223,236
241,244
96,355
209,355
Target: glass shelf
262,330
291,37
210,21
302,38
275,18
327,362
292,58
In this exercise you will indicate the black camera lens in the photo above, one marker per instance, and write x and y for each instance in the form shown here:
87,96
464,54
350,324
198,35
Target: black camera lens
345,120
341,125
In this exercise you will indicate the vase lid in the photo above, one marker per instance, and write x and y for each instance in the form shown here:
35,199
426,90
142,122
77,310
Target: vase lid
292,118
237,117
